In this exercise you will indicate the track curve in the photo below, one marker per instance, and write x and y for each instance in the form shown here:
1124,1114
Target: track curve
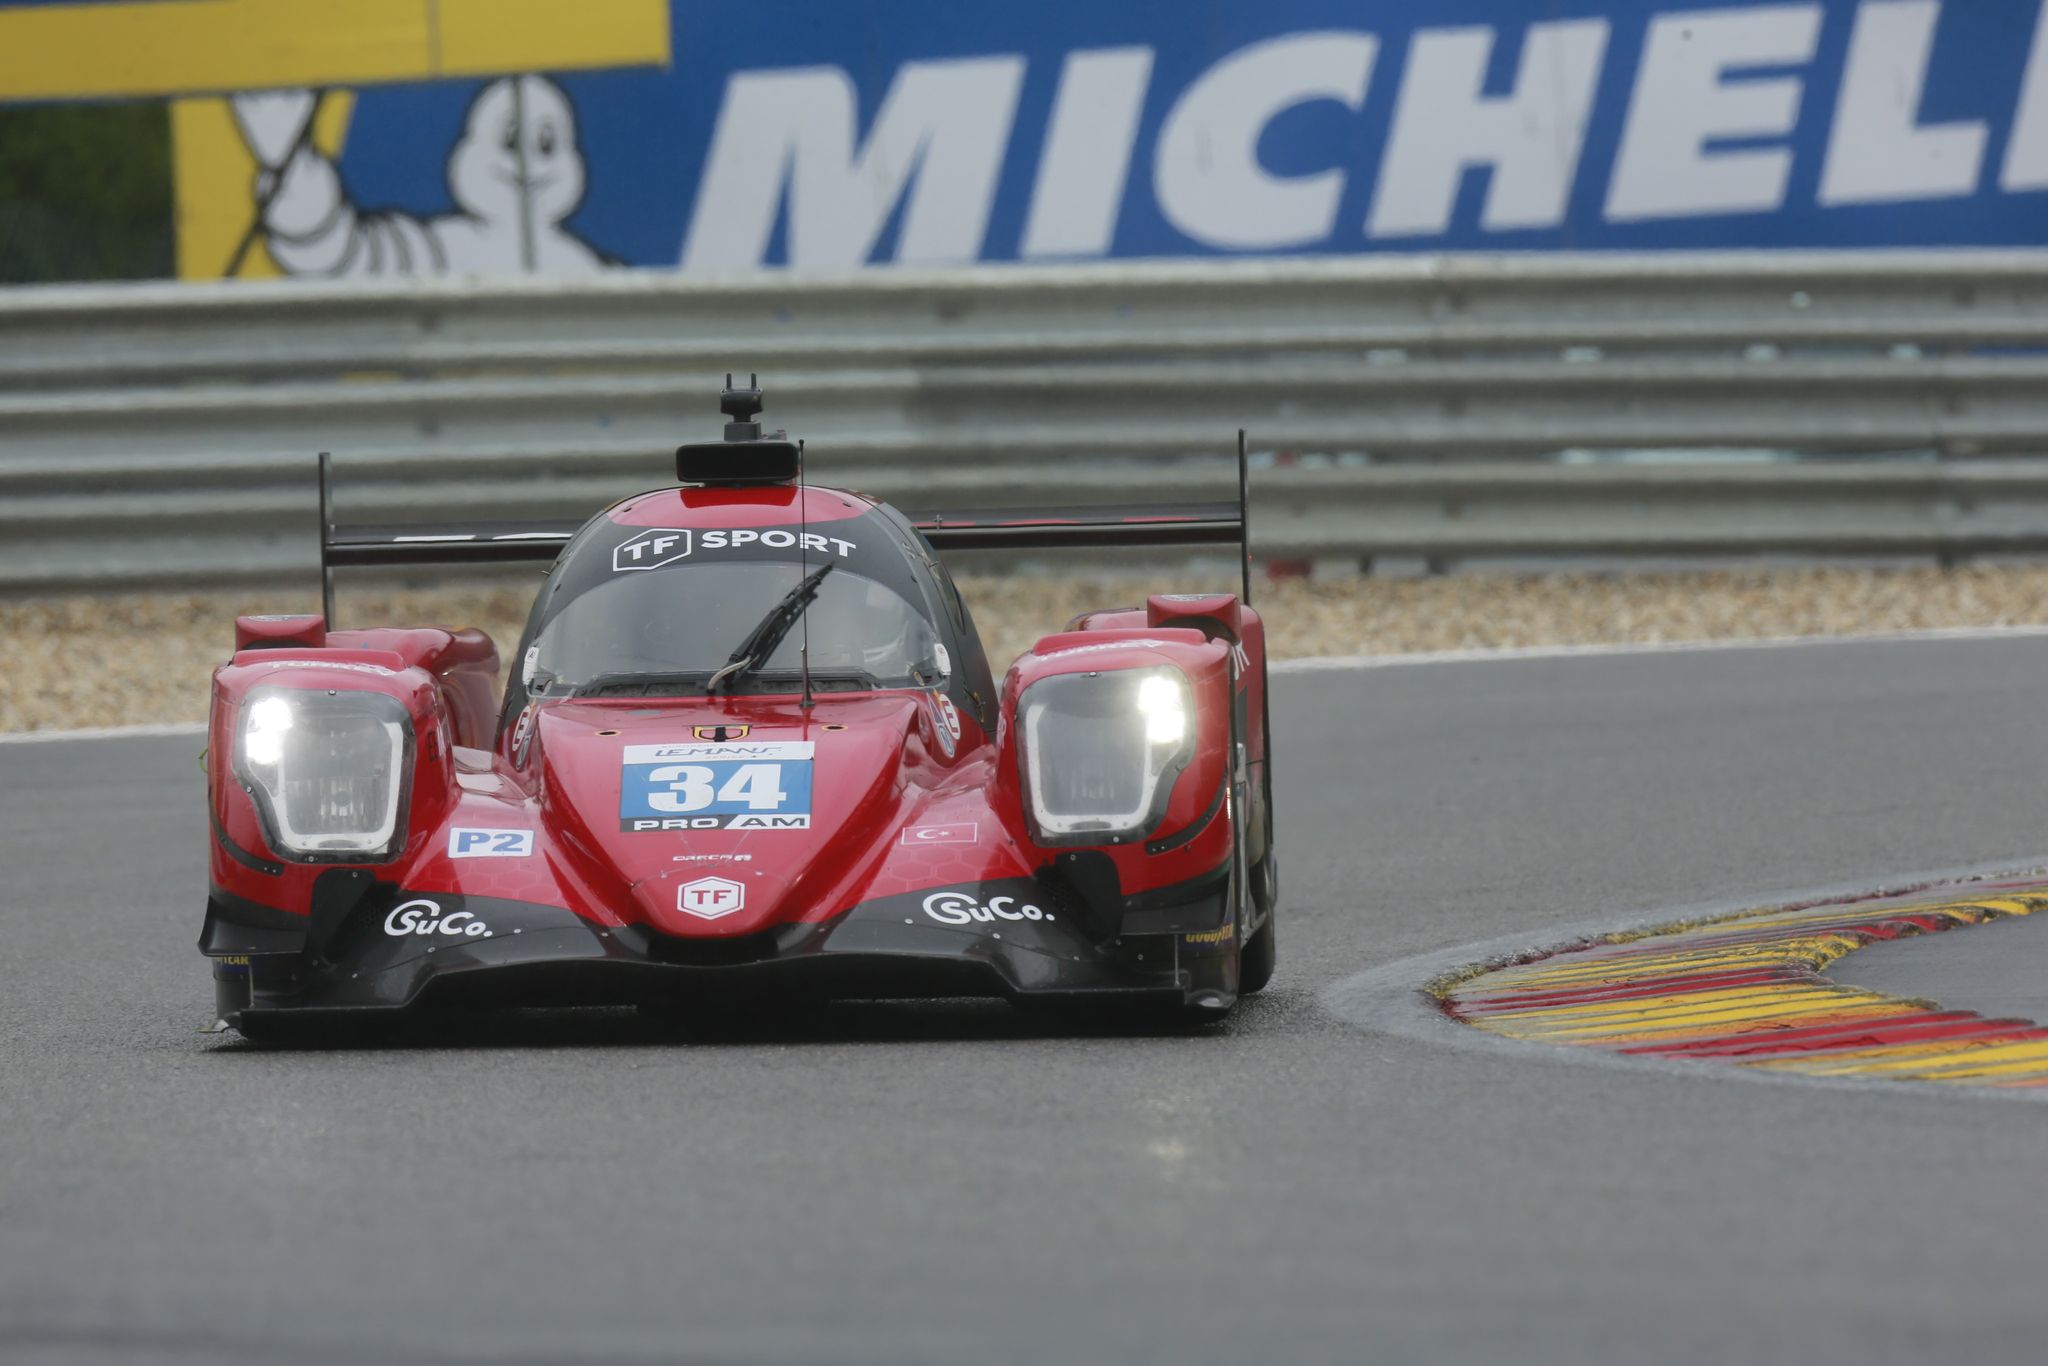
1996,975
933,1184
1757,990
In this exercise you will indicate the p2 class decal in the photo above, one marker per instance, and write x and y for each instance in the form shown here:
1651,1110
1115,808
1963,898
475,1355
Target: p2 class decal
962,832
475,842
716,785
651,549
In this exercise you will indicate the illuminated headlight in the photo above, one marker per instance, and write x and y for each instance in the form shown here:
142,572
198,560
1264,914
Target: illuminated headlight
1100,752
328,772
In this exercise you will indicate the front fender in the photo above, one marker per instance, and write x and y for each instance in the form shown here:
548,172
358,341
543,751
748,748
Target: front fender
1188,839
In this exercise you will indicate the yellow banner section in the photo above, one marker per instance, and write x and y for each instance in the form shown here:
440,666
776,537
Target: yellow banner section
216,183
190,47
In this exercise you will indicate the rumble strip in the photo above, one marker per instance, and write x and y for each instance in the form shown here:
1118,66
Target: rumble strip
1746,990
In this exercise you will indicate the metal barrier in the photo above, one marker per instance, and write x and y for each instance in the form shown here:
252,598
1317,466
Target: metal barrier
1881,403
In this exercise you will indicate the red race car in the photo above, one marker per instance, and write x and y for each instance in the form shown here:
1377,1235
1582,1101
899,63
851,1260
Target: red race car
752,748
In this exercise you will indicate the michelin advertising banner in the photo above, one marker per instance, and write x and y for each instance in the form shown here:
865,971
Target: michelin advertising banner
836,134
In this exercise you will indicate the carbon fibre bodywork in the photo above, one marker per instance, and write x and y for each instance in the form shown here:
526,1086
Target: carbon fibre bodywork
673,841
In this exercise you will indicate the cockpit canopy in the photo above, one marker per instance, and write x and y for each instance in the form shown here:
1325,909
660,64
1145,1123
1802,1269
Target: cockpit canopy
645,603
689,620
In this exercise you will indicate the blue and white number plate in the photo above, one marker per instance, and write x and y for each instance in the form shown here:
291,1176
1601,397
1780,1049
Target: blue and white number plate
716,785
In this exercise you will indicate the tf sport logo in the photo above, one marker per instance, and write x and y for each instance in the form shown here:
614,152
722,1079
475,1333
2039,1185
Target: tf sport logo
659,546
665,545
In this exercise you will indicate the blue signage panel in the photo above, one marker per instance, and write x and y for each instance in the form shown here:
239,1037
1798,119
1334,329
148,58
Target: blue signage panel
829,134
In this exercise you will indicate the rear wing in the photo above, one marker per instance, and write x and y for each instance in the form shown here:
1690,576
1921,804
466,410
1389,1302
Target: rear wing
997,529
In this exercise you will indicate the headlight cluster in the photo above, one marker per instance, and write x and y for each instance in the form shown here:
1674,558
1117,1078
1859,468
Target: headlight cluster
329,772
1100,752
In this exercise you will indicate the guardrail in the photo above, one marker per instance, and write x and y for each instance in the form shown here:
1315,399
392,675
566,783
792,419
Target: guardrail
1439,407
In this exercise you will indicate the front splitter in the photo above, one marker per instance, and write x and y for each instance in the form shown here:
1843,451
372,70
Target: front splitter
402,952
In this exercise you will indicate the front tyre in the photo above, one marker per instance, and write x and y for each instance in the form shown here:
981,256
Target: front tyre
1255,966
1213,992
1255,960
281,1029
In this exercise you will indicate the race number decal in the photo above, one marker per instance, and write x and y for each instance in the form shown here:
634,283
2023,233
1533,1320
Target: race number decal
716,786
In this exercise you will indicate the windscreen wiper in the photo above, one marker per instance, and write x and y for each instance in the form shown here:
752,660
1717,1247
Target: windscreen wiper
762,640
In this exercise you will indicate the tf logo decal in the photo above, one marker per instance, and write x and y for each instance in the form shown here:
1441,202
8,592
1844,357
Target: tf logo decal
652,550
720,732
711,897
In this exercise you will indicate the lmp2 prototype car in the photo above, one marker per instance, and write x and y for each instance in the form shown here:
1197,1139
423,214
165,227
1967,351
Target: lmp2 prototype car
752,749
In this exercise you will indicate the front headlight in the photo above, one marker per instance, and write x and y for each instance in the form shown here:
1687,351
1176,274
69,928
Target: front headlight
328,772
1100,752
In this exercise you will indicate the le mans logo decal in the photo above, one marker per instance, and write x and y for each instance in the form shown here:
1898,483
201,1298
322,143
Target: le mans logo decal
716,785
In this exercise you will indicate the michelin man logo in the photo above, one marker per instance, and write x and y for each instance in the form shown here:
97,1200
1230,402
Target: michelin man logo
517,175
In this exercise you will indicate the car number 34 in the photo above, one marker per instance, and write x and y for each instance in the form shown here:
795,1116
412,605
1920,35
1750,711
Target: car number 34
745,792
678,789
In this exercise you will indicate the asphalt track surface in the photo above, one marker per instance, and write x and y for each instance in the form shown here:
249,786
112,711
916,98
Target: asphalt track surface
946,1184
2001,972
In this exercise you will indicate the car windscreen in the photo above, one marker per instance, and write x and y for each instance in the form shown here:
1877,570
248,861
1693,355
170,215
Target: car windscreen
687,620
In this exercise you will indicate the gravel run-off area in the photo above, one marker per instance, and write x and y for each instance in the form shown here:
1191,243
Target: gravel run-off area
135,658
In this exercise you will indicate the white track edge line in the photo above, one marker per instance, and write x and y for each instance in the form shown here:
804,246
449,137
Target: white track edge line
1335,663
45,737
1315,664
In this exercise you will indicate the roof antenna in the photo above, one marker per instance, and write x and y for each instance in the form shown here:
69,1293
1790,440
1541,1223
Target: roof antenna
1244,519
803,559
326,535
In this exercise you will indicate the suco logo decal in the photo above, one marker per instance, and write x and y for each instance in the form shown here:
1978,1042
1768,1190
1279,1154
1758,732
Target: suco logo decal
425,917
965,908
